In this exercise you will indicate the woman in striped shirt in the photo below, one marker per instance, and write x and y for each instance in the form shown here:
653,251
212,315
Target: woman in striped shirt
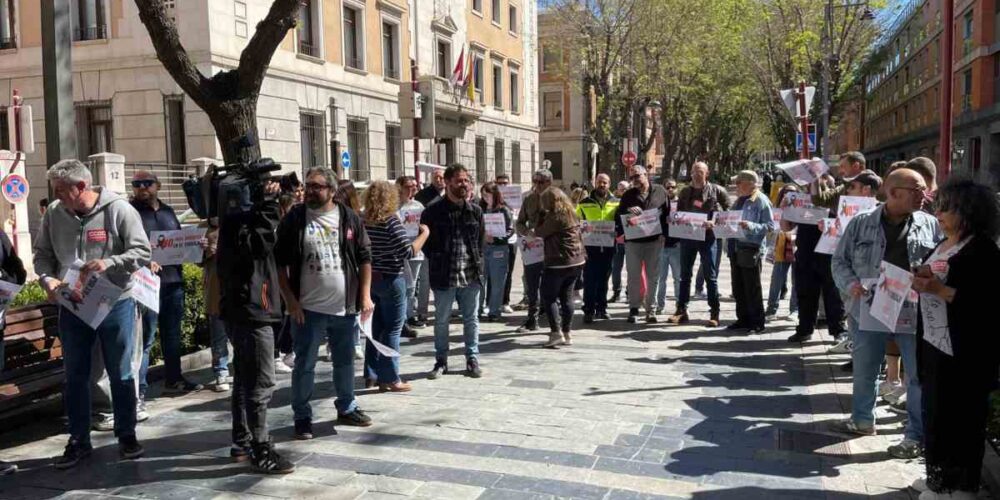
391,249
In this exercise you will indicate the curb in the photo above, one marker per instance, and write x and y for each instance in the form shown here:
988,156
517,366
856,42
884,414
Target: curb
189,362
991,470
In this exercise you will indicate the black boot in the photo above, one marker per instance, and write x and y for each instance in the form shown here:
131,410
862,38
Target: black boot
266,460
531,325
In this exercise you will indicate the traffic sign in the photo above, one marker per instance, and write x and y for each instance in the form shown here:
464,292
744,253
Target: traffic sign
789,97
15,188
628,158
812,139
345,159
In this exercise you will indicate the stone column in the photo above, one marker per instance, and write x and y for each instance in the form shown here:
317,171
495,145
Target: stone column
109,171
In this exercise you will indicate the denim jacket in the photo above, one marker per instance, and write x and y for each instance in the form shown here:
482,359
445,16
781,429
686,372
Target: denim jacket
862,246
757,212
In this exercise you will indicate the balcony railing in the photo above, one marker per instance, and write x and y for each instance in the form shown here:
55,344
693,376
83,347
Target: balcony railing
308,49
966,47
967,102
99,32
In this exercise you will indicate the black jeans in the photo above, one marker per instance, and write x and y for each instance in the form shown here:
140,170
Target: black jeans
746,267
557,296
596,272
532,280
253,380
283,337
813,277
511,258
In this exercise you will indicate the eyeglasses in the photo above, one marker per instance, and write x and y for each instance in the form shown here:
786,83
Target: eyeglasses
312,186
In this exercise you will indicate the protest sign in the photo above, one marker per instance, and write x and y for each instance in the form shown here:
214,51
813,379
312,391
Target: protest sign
727,224
512,196
89,299
805,172
366,330
906,323
850,206
799,209
688,226
410,217
8,291
643,225
598,233
532,250
146,288
496,225
891,291
831,236
777,214
177,247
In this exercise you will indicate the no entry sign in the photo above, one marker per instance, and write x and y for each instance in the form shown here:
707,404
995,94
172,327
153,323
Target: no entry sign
15,188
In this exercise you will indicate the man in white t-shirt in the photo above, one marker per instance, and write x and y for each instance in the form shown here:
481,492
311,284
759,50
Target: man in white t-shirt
409,213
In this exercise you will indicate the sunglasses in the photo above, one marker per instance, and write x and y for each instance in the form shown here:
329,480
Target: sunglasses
145,183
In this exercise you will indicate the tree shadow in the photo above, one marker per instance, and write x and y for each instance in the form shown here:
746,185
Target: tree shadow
763,493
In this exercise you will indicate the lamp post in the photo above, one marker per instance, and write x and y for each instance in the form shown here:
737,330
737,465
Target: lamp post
830,60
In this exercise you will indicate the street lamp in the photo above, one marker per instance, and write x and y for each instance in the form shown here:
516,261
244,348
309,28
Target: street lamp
830,60
957,152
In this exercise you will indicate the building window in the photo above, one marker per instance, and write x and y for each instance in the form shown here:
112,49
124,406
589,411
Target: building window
477,76
311,133
512,19
4,130
498,85
89,22
393,152
308,29
555,159
477,5
532,157
996,77
496,11
443,58
240,9
354,48
550,58
552,107
7,40
93,129
498,164
390,50
173,107
967,25
515,162
357,146
515,104
967,90
480,159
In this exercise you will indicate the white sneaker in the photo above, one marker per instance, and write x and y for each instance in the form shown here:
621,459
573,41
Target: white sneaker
894,396
359,351
221,384
920,485
887,387
289,359
281,367
103,422
843,346
329,356
507,310
141,412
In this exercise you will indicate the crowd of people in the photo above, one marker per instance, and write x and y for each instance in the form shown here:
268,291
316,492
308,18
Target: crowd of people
318,263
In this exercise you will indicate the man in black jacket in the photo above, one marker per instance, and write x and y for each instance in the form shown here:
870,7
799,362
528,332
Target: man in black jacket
250,307
454,254
325,277
642,251
432,191
11,270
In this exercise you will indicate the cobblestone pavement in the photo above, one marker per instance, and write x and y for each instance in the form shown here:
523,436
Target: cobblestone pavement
627,412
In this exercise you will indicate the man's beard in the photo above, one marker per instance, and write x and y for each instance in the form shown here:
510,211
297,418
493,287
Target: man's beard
459,192
315,202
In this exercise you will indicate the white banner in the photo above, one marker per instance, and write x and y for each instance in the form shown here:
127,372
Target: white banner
512,196
177,247
495,224
688,226
727,224
146,289
532,250
92,299
799,209
850,206
642,226
831,236
891,291
598,233
906,323
805,172
410,217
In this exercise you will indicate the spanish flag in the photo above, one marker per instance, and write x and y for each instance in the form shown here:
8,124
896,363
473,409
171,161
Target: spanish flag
470,84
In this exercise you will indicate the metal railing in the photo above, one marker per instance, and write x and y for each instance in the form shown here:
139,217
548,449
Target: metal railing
98,32
308,49
171,177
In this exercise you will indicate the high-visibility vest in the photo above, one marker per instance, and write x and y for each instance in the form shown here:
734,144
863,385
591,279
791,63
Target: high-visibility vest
589,209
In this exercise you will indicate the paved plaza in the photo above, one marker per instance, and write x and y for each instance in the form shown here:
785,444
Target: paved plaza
627,412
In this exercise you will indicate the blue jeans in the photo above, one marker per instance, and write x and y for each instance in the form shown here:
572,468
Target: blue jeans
617,263
389,296
496,257
339,332
468,300
779,276
708,251
868,353
169,322
220,345
117,341
670,264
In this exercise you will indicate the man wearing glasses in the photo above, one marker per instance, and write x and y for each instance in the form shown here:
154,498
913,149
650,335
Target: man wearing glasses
644,251
527,219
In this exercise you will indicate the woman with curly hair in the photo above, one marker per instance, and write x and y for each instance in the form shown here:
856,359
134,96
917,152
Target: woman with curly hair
957,356
391,249
564,254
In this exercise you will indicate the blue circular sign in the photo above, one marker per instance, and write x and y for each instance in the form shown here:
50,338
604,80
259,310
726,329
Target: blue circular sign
345,159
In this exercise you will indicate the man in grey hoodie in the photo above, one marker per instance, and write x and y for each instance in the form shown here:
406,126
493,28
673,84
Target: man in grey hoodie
100,228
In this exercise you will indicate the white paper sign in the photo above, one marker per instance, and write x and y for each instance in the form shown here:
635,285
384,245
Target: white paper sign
891,290
532,250
366,330
831,236
799,209
410,217
92,299
933,309
598,233
177,247
496,226
776,215
805,172
850,206
146,288
512,196
906,323
642,226
688,226
8,291
727,224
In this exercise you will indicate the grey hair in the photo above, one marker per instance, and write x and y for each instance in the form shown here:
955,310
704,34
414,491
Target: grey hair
853,157
70,172
327,173
543,173
747,176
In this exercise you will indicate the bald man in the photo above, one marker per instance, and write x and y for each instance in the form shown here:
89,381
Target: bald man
902,235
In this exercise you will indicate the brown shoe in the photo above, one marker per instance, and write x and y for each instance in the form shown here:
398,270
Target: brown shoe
679,318
713,322
395,387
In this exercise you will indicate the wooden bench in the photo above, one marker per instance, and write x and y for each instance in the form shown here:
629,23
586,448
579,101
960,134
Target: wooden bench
33,366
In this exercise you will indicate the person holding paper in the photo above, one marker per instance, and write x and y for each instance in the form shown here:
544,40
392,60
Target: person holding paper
599,207
642,251
159,216
745,253
564,255
504,180
434,189
703,197
527,220
11,271
497,250
618,262
784,257
900,234
324,259
391,249
670,255
455,255
97,226
407,186
957,355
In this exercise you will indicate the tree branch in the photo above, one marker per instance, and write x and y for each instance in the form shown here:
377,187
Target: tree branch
170,51
269,34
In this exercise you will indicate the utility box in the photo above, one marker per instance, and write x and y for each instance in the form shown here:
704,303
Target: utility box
420,104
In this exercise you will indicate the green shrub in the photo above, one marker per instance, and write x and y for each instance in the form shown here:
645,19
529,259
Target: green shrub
993,424
31,294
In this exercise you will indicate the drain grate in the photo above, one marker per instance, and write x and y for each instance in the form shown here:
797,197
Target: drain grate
813,442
